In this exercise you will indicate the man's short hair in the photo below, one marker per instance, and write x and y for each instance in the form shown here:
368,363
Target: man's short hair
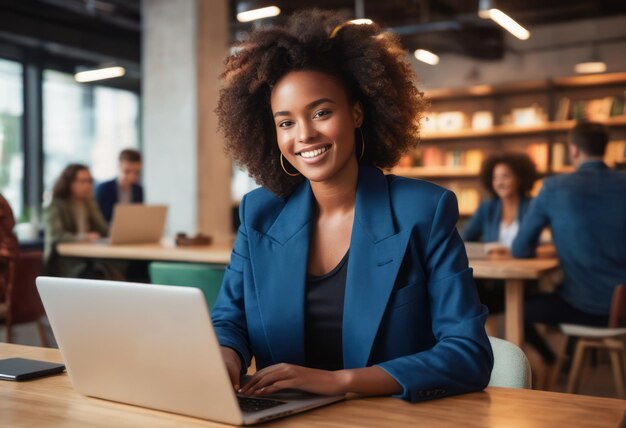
130,155
590,137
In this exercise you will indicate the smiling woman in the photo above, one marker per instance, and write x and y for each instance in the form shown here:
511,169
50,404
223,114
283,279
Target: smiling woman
341,279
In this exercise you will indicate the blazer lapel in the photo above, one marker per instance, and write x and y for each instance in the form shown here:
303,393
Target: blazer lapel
376,252
279,263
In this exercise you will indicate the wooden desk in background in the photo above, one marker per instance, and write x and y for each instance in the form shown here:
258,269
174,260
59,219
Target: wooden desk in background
514,272
52,402
217,254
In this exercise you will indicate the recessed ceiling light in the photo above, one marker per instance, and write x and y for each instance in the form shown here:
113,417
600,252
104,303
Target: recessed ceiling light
254,14
426,56
99,74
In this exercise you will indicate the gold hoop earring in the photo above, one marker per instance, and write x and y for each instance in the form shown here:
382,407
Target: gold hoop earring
290,174
362,143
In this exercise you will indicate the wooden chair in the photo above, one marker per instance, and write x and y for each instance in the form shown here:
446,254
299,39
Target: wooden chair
22,303
601,338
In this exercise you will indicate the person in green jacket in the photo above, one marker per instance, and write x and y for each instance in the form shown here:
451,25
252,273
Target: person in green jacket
73,215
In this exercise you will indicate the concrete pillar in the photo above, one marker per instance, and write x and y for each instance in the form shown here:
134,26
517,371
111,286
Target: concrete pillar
184,43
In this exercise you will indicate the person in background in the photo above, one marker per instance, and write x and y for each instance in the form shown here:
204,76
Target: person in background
509,178
586,211
9,248
125,188
73,215
342,279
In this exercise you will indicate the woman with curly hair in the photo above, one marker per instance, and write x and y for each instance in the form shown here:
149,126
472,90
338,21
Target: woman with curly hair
341,279
73,215
509,178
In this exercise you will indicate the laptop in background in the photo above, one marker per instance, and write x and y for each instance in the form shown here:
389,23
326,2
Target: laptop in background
137,224
152,346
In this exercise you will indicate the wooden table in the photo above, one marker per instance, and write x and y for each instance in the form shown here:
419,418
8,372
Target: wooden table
218,254
51,402
514,272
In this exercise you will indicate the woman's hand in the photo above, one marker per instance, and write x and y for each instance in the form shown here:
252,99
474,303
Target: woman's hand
233,365
92,236
286,376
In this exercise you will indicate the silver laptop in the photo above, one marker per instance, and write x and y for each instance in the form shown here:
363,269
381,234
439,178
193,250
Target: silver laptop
152,346
137,224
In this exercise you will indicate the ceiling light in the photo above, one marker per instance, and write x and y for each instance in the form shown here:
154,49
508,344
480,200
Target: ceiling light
506,22
362,21
591,64
427,56
254,14
487,10
590,67
99,74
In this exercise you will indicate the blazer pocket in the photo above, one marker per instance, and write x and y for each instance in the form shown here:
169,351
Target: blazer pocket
403,296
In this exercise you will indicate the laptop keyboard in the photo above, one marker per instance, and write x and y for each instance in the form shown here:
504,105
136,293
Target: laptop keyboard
248,404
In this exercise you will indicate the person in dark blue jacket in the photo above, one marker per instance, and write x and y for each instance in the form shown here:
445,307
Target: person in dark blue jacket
509,178
586,211
125,188
342,279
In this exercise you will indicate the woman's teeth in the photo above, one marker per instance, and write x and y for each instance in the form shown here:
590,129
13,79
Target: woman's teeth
314,153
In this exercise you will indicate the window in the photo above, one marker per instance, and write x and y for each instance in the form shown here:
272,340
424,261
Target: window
11,154
85,123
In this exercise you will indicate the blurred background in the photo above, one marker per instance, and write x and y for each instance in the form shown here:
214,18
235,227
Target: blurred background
493,87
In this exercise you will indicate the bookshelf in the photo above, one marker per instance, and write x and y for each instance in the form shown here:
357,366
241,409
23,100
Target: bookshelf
466,125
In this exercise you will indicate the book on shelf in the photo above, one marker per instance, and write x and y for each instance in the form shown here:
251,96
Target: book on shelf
436,157
615,152
598,108
559,155
474,159
538,152
468,199
562,111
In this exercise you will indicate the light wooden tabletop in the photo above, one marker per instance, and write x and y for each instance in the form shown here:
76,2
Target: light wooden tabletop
219,254
51,402
513,268
483,268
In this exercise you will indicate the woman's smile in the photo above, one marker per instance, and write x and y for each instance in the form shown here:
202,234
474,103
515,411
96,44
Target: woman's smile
314,154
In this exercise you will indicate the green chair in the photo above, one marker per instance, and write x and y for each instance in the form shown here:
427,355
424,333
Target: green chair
207,278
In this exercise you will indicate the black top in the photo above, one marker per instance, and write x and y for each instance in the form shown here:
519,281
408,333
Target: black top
323,318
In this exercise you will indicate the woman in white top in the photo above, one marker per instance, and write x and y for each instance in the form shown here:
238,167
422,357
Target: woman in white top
509,178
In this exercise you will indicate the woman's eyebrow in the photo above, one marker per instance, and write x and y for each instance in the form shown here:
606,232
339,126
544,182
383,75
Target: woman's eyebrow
308,106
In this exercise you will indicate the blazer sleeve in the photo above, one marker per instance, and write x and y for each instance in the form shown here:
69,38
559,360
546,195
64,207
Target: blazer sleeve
56,230
473,230
228,315
535,219
462,359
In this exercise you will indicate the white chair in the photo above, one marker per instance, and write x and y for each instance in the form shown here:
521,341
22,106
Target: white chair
511,368
609,338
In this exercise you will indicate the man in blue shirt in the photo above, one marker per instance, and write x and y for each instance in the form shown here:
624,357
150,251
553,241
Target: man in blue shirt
586,211
125,188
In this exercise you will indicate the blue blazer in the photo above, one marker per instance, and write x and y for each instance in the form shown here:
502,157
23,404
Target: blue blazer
106,195
485,223
586,211
411,305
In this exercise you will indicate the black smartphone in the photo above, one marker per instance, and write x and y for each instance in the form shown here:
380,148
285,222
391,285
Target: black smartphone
24,369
